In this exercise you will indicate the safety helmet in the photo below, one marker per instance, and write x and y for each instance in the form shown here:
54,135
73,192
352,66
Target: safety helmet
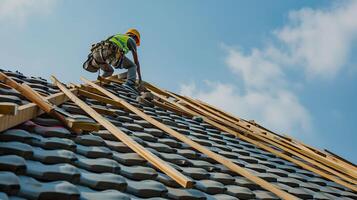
136,34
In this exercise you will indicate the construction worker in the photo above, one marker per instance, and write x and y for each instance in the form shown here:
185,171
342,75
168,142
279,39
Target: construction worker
111,53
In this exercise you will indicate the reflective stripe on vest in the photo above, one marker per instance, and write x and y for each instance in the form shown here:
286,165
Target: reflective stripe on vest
122,41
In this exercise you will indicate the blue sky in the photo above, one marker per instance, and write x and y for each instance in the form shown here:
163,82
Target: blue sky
290,65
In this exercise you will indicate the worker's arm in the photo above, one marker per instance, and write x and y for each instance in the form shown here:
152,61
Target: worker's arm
136,61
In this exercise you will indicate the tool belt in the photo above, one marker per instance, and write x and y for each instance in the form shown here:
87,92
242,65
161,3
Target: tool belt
107,52
104,53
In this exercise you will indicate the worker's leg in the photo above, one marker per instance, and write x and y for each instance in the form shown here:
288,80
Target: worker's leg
131,75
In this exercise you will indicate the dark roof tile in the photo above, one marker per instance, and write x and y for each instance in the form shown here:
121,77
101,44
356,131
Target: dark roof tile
54,172
243,182
166,180
146,189
15,135
161,147
210,186
129,158
154,131
102,181
10,98
145,136
33,189
185,194
175,158
98,165
118,146
88,194
17,148
13,163
222,178
221,197
196,173
188,153
265,195
3,196
171,142
54,143
94,151
301,193
138,173
240,192
53,156
90,140
289,181
52,131
9,183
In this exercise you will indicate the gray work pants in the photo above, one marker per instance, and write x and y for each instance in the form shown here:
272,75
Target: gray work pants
132,68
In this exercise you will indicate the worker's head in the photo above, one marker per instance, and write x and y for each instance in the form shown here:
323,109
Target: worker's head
133,33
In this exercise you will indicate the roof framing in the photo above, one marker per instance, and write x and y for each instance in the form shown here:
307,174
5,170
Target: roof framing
220,159
131,143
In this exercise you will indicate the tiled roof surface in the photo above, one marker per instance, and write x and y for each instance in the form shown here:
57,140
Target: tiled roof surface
41,159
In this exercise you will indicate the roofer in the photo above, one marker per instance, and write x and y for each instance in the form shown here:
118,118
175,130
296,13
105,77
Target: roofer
111,53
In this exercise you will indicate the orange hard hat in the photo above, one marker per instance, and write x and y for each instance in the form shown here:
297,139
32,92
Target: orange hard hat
136,34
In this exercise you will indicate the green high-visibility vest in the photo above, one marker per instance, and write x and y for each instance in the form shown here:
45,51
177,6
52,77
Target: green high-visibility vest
122,41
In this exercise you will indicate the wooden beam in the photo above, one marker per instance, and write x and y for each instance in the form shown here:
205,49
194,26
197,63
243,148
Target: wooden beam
30,111
263,146
8,108
146,154
220,159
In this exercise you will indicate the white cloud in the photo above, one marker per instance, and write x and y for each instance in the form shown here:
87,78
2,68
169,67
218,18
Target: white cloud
314,43
255,69
18,11
320,40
